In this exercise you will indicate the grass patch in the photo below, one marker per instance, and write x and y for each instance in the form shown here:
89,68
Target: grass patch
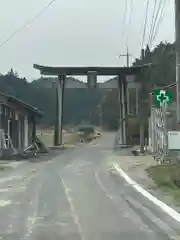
3,168
167,177
47,137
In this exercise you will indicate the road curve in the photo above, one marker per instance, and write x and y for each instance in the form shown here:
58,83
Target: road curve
78,196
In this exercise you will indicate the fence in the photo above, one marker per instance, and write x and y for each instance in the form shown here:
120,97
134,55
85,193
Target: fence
162,120
159,133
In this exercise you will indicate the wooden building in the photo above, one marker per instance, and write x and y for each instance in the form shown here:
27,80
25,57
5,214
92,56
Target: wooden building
17,121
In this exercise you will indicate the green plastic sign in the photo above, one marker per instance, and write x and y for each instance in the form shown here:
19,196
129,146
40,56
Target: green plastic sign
162,97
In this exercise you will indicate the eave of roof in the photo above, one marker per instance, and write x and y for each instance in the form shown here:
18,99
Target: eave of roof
26,106
47,70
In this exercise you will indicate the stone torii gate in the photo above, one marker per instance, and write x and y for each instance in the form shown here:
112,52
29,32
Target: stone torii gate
91,73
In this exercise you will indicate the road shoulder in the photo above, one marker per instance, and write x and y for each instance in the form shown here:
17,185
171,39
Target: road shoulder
135,167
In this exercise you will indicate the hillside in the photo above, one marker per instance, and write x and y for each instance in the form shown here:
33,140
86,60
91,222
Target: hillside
48,82
80,104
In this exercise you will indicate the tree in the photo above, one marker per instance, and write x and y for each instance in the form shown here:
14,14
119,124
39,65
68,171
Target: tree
82,104
110,109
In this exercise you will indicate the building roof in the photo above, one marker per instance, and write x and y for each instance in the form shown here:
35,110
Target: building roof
22,104
78,71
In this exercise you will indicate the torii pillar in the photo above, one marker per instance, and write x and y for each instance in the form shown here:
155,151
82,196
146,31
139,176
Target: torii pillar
58,135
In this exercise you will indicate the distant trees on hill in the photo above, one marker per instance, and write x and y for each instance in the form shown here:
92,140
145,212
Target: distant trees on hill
81,104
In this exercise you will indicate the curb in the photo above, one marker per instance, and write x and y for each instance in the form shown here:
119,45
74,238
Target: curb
171,212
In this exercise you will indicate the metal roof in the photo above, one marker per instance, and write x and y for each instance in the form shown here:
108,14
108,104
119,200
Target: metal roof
24,105
78,71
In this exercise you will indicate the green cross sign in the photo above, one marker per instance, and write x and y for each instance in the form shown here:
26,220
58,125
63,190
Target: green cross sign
162,96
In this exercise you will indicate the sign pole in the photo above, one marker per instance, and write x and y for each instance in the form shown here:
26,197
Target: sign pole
165,132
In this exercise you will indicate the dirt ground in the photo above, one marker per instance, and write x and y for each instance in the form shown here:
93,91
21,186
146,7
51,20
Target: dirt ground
136,166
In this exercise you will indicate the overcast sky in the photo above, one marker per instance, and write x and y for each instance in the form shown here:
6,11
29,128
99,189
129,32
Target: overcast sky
73,32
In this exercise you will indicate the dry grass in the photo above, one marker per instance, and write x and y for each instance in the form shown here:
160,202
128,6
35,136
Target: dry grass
47,136
167,177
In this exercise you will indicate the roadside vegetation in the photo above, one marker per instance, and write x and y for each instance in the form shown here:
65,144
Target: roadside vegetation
167,178
47,136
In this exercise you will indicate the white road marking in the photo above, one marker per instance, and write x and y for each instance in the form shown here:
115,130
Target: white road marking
171,212
156,220
125,213
32,220
4,190
4,203
74,215
30,224
10,178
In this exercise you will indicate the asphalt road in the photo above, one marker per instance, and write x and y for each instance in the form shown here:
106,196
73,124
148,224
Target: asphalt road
78,196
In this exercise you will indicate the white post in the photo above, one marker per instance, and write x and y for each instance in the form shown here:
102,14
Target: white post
19,134
150,133
26,131
124,114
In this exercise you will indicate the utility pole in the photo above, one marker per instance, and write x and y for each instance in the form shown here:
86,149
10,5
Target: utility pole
125,110
177,27
127,55
141,112
125,102
121,130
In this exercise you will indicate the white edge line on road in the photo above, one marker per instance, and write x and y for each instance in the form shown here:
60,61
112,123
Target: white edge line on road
175,215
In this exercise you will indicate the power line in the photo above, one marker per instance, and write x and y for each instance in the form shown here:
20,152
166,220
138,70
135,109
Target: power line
27,23
155,21
158,23
130,20
124,19
152,22
131,11
145,23
160,6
